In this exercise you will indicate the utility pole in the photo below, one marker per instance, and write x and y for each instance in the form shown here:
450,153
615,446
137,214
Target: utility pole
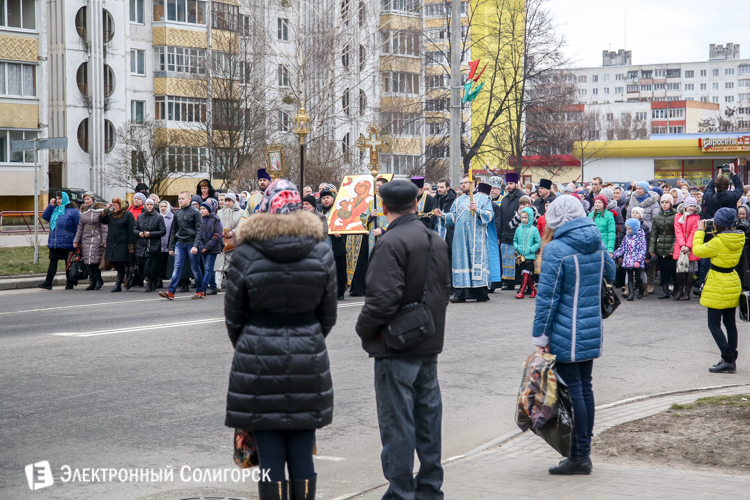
455,124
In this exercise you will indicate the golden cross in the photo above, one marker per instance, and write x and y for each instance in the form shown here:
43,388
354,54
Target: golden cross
375,142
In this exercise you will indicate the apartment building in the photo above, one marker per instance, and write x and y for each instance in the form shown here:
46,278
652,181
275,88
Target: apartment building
23,106
724,80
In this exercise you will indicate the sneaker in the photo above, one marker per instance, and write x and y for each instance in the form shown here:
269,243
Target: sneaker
167,295
198,295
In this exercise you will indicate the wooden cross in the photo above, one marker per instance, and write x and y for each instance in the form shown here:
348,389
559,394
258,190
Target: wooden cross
376,143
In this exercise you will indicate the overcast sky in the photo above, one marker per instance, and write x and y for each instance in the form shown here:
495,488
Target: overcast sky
658,31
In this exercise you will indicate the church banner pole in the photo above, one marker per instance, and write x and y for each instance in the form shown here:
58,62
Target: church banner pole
471,190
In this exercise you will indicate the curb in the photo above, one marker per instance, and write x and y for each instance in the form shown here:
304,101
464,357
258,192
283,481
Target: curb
31,281
505,438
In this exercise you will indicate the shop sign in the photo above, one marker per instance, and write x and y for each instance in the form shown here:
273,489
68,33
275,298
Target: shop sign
741,143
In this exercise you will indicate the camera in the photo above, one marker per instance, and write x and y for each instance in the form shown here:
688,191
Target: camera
726,168
709,226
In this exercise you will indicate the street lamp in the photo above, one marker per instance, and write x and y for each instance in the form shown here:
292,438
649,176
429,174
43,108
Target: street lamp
302,128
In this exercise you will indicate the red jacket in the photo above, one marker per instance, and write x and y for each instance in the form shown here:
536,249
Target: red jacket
684,234
136,211
541,224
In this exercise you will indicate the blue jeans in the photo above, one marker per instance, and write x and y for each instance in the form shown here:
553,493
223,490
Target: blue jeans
181,252
410,414
208,269
293,449
577,376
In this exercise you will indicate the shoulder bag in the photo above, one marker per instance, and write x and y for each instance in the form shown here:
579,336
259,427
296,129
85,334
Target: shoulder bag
412,322
610,300
745,306
521,258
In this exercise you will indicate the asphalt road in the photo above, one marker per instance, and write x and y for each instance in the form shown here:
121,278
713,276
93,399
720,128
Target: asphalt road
95,380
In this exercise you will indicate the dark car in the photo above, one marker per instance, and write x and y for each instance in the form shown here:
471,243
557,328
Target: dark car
76,195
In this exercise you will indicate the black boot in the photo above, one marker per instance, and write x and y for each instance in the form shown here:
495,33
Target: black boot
302,489
99,281
458,298
275,490
160,284
92,279
69,284
184,286
631,288
149,286
727,363
640,285
689,278
507,285
118,282
569,467
665,294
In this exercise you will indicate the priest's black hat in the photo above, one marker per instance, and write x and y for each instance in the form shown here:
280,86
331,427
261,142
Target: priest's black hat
484,188
545,183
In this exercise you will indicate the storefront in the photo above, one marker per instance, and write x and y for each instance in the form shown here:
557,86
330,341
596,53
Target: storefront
695,157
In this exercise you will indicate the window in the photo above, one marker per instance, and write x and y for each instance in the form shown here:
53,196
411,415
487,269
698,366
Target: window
728,98
704,99
7,137
673,73
345,11
703,72
634,88
606,78
283,28
109,81
605,90
660,73
362,102
108,26
184,159
283,76
83,134
17,79
582,92
743,69
689,86
401,5
136,11
110,136
224,16
624,116
673,86
677,113
345,56
641,115
743,111
658,130
619,90
610,117
689,74
362,57
403,124
362,14
676,130
659,86
647,74
181,11
440,104
620,77
728,85
284,121
18,14
180,109
715,99
582,79
137,112
657,114
715,72
595,78
632,75
180,60
138,62
401,83
405,43
729,71
442,9
345,102
436,58
436,128
436,81
595,91
743,83
715,86
703,86
743,97
646,88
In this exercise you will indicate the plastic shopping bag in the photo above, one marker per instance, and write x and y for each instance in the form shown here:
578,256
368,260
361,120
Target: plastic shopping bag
683,263
544,403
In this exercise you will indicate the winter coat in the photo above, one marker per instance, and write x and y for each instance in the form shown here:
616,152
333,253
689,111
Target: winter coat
152,223
526,241
509,209
230,219
721,290
713,201
119,235
67,224
650,206
91,234
541,225
540,202
663,237
211,191
684,233
605,222
186,228
396,276
136,211
743,268
632,250
568,314
213,233
279,306
168,226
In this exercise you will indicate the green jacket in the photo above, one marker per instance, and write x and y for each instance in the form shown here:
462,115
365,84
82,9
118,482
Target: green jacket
605,222
662,233
527,241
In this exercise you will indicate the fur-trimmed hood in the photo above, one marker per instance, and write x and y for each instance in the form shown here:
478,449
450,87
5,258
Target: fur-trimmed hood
654,198
282,238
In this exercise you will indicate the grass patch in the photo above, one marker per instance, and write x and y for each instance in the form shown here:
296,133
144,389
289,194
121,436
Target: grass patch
20,260
677,406
738,401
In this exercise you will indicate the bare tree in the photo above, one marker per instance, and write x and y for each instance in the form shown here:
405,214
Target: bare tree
726,123
141,156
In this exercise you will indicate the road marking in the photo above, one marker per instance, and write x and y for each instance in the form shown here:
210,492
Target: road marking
329,459
160,326
91,305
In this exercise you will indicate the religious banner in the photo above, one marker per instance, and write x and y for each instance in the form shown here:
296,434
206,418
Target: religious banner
353,200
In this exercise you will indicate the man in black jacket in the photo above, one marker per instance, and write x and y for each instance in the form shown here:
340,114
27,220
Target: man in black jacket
185,237
545,196
505,233
406,385
337,242
717,194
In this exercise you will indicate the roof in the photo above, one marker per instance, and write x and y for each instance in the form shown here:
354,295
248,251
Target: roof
547,161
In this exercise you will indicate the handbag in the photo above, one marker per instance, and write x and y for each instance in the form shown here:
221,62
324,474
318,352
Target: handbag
610,300
131,273
745,306
520,259
77,270
228,244
413,322
104,264
245,449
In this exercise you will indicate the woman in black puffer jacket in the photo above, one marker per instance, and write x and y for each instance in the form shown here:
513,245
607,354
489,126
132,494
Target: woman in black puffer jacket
279,307
148,230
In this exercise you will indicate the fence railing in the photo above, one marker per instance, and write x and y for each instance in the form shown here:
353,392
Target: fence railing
26,217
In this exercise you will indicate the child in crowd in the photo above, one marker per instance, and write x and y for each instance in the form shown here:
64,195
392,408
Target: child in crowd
605,222
526,243
661,243
685,225
633,253
523,202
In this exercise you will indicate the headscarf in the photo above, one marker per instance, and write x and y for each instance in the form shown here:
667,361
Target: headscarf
680,197
169,208
58,211
563,209
281,197
645,196
123,208
151,201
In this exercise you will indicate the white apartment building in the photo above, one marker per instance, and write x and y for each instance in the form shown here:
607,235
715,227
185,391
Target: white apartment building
724,80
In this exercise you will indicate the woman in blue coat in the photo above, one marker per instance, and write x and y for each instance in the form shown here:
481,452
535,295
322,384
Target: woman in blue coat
568,320
63,217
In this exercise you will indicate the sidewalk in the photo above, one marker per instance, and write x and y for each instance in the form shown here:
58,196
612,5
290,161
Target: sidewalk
32,280
518,467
